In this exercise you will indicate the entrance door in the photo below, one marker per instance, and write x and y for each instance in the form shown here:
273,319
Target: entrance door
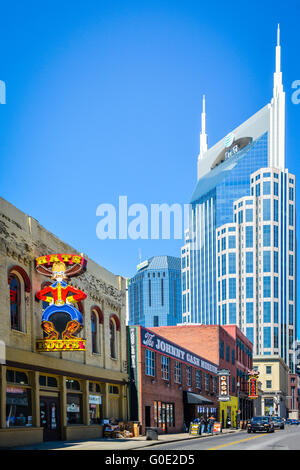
148,416
50,418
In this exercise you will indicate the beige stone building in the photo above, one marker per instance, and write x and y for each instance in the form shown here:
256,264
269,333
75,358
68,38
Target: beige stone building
56,395
274,379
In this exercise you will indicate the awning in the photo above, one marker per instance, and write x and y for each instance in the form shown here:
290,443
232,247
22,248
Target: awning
195,399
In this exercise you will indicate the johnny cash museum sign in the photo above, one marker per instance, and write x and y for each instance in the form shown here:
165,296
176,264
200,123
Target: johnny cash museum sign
156,343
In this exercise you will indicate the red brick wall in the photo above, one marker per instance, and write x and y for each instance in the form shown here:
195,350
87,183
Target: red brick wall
160,391
204,340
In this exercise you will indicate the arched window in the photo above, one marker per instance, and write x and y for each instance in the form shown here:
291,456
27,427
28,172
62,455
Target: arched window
94,332
112,331
19,285
15,302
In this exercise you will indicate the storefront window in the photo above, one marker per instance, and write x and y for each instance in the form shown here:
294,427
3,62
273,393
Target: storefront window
74,409
164,415
95,407
95,403
18,407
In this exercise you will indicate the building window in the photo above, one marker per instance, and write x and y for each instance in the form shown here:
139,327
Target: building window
268,383
231,241
249,262
249,333
232,288
266,261
94,333
291,265
249,287
149,287
276,210
112,331
155,320
266,188
15,302
224,289
267,286
206,382
249,237
177,377
165,367
291,289
18,406
74,409
95,403
268,369
231,263
267,235
17,377
267,312
267,337
227,353
232,313
149,362
291,214
48,381
249,215
291,240
189,376
267,209
222,349
249,312
198,379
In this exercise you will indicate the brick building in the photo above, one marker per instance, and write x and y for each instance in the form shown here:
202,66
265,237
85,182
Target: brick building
63,394
227,347
169,384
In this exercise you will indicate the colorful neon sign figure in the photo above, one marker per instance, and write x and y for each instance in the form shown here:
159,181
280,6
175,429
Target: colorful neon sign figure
61,319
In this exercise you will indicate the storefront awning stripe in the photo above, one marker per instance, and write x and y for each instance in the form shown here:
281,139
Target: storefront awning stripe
195,399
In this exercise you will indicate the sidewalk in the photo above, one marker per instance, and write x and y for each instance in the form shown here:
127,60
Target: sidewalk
116,444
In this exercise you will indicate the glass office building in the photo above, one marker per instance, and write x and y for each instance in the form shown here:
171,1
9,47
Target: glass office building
256,265
154,293
225,173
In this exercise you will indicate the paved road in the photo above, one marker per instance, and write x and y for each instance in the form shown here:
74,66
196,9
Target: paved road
283,439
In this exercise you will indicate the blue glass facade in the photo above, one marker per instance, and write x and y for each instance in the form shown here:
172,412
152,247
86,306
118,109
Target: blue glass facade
154,293
212,206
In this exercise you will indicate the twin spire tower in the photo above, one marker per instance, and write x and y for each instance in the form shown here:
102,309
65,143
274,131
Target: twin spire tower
277,118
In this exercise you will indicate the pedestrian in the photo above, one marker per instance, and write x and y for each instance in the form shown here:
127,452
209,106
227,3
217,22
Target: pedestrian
210,427
202,425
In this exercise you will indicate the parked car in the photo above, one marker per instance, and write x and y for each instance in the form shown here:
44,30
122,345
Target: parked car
292,421
260,423
278,422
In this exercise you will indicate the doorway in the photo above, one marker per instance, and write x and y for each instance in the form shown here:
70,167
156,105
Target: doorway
50,418
147,416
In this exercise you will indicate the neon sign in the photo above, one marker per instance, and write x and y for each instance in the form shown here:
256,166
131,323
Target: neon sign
253,384
61,320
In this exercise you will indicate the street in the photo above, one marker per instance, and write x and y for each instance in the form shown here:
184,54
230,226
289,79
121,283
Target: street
286,439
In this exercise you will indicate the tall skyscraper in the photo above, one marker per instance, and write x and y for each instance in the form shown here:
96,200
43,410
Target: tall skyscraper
227,172
154,293
256,265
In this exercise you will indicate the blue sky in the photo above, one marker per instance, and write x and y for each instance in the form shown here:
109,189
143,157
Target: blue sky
104,99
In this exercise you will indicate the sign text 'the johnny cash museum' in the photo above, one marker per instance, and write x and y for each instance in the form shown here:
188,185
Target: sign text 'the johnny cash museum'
156,343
